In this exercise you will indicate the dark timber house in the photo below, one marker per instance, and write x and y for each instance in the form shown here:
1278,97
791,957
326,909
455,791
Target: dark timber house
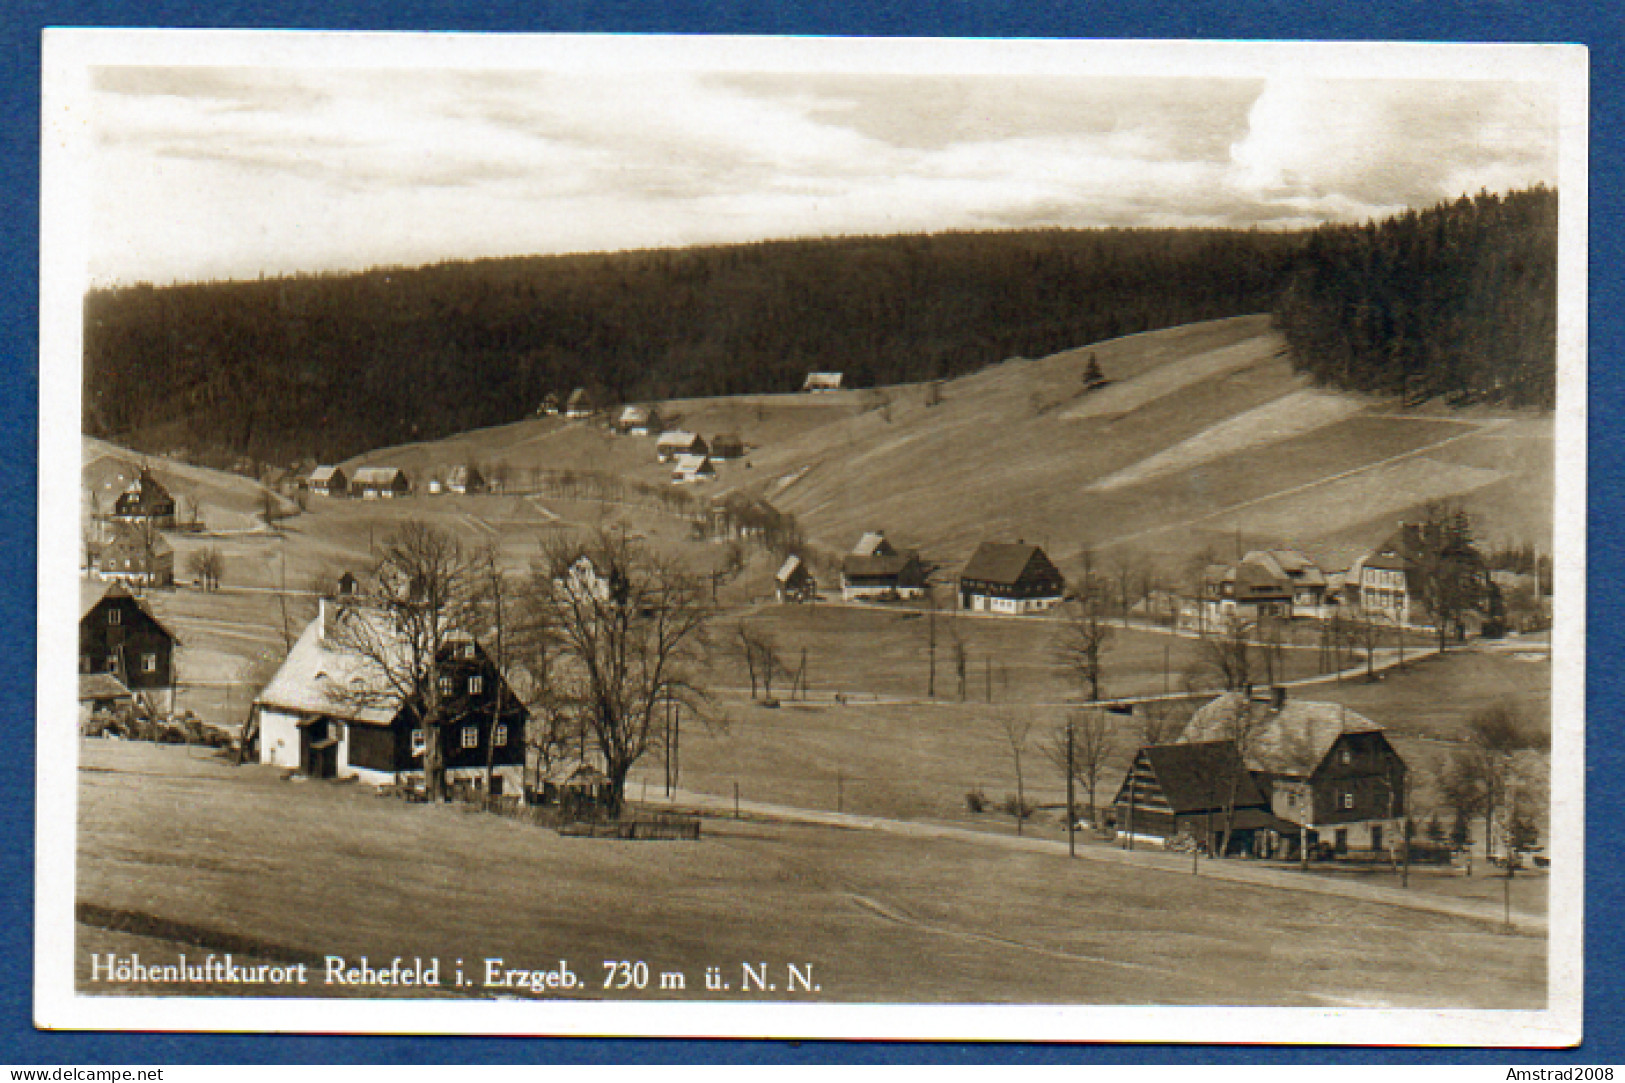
1004,577
120,635
876,569
1193,790
146,501
330,713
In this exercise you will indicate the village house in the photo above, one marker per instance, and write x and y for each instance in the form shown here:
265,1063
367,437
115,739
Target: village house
330,712
1006,577
876,569
105,479
328,481
380,483
822,381
1198,790
1279,583
579,404
146,501
120,636
793,582
549,406
638,420
1328,771
465,479
678,442
137,555
1382,584
691,469
727,445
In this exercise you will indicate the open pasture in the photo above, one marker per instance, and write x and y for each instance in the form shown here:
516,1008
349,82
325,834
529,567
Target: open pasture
199,851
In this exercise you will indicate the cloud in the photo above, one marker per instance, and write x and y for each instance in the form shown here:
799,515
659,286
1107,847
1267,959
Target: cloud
211,172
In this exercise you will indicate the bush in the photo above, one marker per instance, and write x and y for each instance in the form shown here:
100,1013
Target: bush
976,801
1014,807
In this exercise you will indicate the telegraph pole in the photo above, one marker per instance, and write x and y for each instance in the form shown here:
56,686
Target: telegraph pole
1071,808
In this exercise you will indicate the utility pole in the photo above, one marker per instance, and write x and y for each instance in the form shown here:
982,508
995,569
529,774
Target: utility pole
1071,808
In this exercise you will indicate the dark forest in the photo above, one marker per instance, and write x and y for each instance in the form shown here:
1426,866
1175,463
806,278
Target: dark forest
1459,299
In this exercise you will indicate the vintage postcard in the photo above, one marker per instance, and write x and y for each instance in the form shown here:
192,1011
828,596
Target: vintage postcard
815,538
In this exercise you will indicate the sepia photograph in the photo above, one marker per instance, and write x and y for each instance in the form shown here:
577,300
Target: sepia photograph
1062,540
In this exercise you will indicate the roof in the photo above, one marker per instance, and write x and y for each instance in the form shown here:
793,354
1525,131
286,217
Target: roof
325,473
822,380
873,543
882,564
1001,562
579,395
1191,774
311,678
102,686
573,770
677,438
130,539
726,438
692,464
633,415
1290,741
788,568
367,474
92,593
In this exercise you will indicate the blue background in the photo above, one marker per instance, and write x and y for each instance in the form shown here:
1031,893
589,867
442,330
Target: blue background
1595,24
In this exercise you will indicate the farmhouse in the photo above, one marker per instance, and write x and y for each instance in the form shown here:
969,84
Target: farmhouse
794,581
638,420
1323,768
1004,577
822,381
579,404
328,481
691,469
875,569
1197,790
146,501
677,442
331,712
465,479
380,483
120,636
727,445
138,555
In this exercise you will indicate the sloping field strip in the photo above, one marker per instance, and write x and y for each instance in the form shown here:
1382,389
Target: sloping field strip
1380,493
1118,399
1362,513
1291,415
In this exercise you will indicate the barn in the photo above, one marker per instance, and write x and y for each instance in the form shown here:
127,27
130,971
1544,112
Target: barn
380,483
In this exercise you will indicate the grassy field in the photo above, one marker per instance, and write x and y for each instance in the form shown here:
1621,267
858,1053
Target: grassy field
283,870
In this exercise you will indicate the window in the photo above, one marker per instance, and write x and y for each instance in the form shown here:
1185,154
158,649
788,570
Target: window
115,616
417,742
476,685
1346,757
149,663
468,650
446,686
471,736
112,663
1348,799
499,735
84,663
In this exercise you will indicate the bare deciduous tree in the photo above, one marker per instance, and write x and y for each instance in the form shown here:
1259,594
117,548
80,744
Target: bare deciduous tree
761,655
624,629
1017,726
1226,652
405,629
1081,643
1091,745
206,565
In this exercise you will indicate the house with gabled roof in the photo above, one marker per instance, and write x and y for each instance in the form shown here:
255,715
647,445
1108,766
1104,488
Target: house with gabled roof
822,381
690,469
876,569
146,501
102,693
579,404
465,479
727,445
121,636
1329,770
328,481
138,555
380,483
1010,577
680,442
638,420
794,582
1200,790
331,712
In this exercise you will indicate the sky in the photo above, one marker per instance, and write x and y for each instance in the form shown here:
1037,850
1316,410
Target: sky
233,172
